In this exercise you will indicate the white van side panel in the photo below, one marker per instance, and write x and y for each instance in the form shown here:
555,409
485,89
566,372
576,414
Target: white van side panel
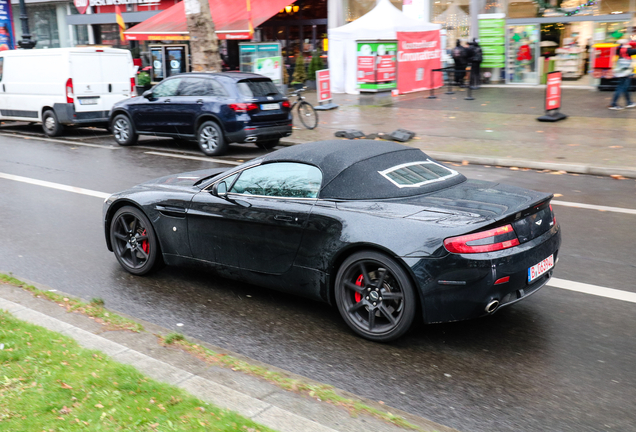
32,82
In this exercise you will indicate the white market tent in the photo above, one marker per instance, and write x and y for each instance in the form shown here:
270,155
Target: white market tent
381,23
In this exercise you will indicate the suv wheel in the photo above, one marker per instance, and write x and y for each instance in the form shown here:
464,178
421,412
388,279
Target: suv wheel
50,124
123,130
210,139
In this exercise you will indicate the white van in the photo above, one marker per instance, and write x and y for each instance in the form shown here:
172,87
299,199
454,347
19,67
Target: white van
64,86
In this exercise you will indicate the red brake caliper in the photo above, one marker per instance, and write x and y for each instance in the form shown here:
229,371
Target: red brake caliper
144,244
359,282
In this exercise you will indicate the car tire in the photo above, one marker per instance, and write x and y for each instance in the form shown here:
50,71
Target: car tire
50,124
211,140
134,242
380,308
267,145
123,130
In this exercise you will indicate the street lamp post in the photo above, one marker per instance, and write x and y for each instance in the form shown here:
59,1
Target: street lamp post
26,42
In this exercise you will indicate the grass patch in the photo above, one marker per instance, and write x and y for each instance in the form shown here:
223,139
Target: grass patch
93,309
320,392
49,382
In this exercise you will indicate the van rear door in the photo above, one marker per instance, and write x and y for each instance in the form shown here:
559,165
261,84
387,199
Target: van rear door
100,79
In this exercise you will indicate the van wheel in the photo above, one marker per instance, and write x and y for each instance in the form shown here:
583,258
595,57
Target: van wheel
50,125
123,130
211,140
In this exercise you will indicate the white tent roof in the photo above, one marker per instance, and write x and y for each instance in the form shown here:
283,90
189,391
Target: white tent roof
382,22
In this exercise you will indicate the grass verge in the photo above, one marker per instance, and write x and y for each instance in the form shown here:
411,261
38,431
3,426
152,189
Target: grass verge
320,392
94,309
50,383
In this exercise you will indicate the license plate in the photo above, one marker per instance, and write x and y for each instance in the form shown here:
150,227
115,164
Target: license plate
538,269
268,107
88,101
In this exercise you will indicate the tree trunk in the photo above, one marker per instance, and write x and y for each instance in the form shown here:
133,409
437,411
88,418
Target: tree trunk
204,45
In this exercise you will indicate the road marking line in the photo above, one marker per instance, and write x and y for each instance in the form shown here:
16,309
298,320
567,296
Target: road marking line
55,185
594,207
205,159
79,143
593,290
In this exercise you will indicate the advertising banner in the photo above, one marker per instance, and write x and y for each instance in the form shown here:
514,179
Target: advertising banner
7,37
553,91
376,65
418,54
262,58
323,84
492,30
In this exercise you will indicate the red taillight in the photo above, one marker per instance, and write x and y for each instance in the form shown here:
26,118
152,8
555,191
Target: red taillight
70,96
133,91
486,241
243,107
286,104
553,216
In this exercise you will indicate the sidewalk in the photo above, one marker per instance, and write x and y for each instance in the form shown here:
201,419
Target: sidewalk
252,397
499,127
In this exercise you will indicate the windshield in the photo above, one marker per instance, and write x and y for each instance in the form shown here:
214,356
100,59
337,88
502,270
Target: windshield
257,88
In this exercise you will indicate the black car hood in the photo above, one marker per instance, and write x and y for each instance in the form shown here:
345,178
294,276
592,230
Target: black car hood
182,180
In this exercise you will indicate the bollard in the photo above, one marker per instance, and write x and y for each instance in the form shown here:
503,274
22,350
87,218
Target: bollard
470,94
432,95
450,84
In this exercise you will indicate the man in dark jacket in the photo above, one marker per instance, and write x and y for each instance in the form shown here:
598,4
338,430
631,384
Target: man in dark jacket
475,57
459,57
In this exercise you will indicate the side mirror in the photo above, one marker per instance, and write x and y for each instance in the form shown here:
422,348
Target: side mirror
148,94
220,190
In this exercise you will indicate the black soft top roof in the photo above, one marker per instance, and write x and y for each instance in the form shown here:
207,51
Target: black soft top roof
351,168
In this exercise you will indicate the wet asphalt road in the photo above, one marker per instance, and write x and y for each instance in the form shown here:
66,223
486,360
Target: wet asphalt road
558,361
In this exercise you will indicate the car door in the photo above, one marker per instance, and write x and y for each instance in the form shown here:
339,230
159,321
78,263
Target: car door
153,113
188,105
258,226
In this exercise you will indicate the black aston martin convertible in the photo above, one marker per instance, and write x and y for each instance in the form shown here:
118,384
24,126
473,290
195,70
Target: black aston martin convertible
377,228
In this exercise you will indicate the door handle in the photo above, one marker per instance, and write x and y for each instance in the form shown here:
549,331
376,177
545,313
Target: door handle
3,89
166,101
199,101
284,218
110,88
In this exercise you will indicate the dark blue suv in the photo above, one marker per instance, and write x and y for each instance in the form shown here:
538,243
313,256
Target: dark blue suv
216,109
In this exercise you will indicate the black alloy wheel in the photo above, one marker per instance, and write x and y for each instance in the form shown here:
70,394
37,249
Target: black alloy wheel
308,115
50,124
134,241
123,130
210,139
375,296
267,145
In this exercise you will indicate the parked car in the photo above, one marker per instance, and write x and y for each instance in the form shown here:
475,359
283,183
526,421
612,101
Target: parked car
64,86
376,228
215,109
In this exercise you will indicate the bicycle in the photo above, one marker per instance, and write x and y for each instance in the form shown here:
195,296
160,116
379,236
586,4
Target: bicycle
306,112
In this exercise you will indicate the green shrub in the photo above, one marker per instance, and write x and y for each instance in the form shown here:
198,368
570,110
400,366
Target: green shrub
143,79
315,65
300,74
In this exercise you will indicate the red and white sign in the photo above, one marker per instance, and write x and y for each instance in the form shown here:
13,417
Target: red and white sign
386,68
81,5
366,69
418,54
323,85
553,91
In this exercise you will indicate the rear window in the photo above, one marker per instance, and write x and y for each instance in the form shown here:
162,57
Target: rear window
416,174
257,88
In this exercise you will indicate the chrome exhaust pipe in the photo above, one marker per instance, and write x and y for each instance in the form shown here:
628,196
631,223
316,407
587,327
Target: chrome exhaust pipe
251,139
492,306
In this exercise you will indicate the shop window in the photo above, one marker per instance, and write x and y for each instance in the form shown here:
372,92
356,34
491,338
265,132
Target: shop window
81,34
454,16
43,26
566,8
354,9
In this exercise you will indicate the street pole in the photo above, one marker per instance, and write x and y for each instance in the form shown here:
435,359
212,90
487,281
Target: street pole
25,42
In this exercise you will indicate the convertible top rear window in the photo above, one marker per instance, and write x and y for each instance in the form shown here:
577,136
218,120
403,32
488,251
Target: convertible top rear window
416,174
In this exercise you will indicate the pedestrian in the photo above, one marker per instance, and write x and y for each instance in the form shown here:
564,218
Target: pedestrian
475,57
623,70
459,57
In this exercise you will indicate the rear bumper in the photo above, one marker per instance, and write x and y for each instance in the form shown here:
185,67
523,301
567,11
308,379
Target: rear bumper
251,133
459,287
67,115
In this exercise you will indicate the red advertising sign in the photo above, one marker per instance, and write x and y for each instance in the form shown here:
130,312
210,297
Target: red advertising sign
553,91
81,5
418,54
366,71
323,85
386,68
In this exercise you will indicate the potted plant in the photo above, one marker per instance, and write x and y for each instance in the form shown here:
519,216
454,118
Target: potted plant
300,74
315,65
143,83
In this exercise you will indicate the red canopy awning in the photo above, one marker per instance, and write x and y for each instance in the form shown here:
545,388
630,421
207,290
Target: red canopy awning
230,20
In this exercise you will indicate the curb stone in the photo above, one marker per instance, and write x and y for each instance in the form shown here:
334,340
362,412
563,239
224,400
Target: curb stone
254,398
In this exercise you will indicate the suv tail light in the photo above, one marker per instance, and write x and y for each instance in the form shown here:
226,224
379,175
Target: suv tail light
70,96
495,239
133,91
243,107
286,104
